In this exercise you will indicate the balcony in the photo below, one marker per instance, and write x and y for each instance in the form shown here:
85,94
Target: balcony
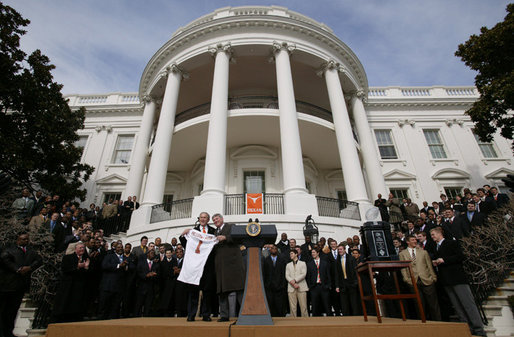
178,209
253,102
338,208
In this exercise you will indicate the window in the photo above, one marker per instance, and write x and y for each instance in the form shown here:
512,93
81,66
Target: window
111,195
254,182
385,144
451,192
123,149
487,148
80,144
400,193
435,144
167,200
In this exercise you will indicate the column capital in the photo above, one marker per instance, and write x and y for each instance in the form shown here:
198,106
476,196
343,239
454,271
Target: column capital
175,69
278,46
220,47
147,99
331,65
360,94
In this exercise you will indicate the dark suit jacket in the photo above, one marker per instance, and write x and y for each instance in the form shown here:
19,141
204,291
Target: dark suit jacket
477,220
59,234
351,275
146,284
230,271
487,206
12,259
456,229
324,274
451,271
274,276
113,278
501,199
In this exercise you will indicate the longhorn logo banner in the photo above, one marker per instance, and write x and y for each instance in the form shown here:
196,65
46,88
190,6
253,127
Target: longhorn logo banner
254,203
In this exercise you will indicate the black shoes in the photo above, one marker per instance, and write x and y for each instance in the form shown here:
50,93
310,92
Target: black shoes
206,319
223,319
190,319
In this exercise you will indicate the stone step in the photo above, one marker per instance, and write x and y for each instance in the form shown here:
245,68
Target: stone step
490,331
27,312
36,332
497,300
509,283
492,310
507,291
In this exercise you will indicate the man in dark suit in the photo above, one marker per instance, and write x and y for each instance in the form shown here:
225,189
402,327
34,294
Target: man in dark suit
283,244
147,275
56,227
451,274
331,257
16,264
426,208
472,218
168,279
115,268
318,280
180,291
275,284
454,227
484,203
208,280
381,204
128,298
501,199
346,282
230,271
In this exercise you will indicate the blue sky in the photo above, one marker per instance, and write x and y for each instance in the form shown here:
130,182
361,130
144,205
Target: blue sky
102,46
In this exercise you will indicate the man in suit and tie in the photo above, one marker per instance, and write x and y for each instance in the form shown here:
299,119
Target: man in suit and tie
296,272
473,218
484,203
142,249
230,271
274,276
331,257
346,282
180,291
42,219
454,227
426,244
451,274
424,275
208,280
17,263
147,275
319,282
115,267
501,199
56,227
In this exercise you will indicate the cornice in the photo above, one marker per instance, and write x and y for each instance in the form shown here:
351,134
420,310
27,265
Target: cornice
186,38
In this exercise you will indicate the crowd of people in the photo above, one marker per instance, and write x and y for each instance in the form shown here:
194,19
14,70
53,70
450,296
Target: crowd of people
102,280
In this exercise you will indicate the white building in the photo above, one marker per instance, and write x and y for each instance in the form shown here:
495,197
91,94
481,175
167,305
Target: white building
263,99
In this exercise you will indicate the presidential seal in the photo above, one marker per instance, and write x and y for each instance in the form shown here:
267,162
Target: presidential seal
253,228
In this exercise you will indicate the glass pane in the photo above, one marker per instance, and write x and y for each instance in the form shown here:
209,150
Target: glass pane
125,142
254,182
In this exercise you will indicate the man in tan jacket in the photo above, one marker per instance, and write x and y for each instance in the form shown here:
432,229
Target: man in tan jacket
297,288
110,210
424,275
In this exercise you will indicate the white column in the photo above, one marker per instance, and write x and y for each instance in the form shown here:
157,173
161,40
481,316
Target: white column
156,180
212,197
292,160
138,158
350,164
296,198
368,149
215,157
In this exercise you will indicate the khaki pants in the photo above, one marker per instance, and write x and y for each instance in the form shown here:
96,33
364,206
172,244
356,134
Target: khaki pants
298,297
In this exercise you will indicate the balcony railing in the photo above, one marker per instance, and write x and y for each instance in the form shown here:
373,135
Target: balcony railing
254,102
178,209
235,204
338,208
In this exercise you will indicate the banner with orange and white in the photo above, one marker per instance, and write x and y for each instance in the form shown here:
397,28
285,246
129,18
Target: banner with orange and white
254,203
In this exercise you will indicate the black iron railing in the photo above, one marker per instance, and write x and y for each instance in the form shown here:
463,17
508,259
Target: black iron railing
254,102
338,208
177,209
235,204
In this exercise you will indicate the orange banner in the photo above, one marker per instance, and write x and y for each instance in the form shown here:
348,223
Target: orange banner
254,203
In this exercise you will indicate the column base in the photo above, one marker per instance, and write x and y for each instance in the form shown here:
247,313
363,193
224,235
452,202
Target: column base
210,203
140,217
300,203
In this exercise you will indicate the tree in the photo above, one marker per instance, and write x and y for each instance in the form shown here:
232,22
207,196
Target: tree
38,129
491,54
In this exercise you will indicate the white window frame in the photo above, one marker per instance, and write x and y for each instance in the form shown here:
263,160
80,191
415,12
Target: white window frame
116,150
391,144
440,143
86,143
489,145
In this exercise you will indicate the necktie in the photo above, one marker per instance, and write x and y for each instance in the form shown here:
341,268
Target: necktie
52,226
203,229
150,266
274,261
470,216
438,246
413,254
335,254
318,280
343,265
24,249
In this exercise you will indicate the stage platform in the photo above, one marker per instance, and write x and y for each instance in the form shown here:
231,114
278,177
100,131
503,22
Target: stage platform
284,326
